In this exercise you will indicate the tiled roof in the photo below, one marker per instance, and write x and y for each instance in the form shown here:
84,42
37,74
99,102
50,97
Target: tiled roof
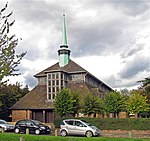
72,67
79,87
35,99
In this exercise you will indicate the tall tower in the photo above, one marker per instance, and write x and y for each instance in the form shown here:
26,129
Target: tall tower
64,52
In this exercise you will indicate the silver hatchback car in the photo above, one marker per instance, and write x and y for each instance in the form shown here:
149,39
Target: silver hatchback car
78,127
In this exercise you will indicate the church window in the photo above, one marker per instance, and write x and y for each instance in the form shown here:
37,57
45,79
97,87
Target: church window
56,81
53,82
49,83
57,75
53,76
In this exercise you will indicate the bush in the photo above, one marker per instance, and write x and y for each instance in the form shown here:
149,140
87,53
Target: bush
115,123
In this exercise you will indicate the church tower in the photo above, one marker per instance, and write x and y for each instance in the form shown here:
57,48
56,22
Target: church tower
64,52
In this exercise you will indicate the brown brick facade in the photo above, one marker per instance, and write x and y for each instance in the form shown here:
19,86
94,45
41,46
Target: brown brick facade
20,114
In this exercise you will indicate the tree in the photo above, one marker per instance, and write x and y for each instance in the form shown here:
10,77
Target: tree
9,60
145,87
9,95
75,101
114,102
66,102
92,105
145,82
137,103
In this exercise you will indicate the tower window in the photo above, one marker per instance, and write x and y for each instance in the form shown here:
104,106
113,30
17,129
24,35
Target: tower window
56,81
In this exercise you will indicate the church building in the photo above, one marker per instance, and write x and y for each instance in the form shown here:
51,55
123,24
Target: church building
38,103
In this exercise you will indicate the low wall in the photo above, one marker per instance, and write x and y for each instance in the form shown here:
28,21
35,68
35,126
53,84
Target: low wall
126,133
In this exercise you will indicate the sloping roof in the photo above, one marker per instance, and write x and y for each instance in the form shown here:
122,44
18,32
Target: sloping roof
82,88
79,87
71,67
35,99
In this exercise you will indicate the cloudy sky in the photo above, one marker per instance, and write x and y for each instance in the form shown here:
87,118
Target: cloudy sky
109,38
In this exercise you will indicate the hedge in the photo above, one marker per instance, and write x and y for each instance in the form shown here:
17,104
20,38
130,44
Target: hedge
115,123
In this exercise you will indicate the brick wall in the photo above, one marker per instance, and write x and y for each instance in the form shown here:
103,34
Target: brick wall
19,114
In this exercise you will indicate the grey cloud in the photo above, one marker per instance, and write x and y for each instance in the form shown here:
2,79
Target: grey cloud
113,81
36,12
30,80
116,82
32,53
133,51
134,67
96,39
93,39
131,8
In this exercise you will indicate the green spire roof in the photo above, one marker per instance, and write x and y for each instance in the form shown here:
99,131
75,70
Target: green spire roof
64,40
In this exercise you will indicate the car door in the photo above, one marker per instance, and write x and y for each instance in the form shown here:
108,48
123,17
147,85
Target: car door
30,126
80,128
70,126
22,126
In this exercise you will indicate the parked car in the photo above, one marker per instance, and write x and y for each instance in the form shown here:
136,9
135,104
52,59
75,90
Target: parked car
78,127
6,126
32,126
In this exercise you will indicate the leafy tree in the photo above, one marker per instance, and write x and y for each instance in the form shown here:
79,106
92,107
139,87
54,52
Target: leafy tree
145,82
75,101
9,60
9,95
145,87
114,102
92,105
66,103
137,103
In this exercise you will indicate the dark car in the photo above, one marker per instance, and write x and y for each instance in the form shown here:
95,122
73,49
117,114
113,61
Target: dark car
32,126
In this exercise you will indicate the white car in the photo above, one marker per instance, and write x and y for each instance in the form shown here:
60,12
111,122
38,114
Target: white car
78,127
6,126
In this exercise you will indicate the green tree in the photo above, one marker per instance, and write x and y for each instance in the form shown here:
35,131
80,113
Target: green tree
145,87
66,102
75,101
114,102
9,95
137,103
92,105
9,60
145,82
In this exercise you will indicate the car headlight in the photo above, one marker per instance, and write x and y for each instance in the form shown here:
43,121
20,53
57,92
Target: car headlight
42,127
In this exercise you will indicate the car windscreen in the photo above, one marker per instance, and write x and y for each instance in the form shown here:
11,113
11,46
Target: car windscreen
37,122
88,124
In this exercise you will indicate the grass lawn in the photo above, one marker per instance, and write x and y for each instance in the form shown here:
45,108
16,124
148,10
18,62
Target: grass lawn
16,137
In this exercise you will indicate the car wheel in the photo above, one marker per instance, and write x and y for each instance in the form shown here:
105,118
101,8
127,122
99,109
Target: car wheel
89,134
37,131
17,130
63,133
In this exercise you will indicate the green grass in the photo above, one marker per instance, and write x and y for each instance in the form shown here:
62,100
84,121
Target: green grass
16,137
